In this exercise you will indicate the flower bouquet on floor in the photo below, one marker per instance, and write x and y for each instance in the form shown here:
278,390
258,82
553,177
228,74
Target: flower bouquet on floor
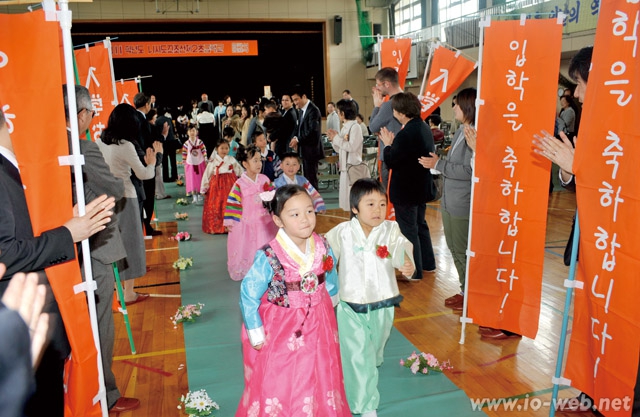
187,313
181,216
182,202
181,236
198,404
424,363
183,263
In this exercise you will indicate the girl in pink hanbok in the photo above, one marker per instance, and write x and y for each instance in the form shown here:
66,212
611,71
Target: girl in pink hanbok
290,338
245,218
194,157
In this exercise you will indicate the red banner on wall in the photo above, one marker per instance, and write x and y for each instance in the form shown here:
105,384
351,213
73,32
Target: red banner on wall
94,71
181,49
127,90
29,44
510,196
605,339
395,53
448,71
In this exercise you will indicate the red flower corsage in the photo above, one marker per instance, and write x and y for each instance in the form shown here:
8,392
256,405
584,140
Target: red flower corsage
270,158
268,186
382,252
230,167
327,263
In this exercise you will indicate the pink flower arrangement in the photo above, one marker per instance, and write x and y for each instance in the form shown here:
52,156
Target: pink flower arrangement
187,313
181,236
423,363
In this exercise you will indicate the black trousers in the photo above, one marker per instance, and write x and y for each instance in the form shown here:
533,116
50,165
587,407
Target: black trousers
169,162
410,218
149,201
310,171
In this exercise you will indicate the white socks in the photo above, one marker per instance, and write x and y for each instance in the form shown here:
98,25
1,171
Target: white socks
369,414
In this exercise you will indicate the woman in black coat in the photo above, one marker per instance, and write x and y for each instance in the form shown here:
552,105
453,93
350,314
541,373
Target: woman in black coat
411,186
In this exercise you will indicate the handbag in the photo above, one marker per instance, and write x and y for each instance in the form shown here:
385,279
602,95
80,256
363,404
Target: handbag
357,171
437,184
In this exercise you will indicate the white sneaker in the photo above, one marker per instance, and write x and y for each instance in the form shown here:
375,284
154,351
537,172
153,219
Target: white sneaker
200,199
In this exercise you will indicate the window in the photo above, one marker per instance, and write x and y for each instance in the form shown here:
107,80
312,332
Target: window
408,16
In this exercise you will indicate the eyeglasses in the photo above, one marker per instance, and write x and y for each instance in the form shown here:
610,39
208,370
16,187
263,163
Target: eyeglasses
91,112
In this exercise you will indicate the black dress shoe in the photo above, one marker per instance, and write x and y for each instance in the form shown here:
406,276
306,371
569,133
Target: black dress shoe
155,233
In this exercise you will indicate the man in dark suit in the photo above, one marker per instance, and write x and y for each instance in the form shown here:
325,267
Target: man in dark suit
170,146
20,250
106,246
148,135
289,121
308,140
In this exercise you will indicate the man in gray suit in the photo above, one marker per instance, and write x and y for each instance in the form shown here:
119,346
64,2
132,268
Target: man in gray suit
106,246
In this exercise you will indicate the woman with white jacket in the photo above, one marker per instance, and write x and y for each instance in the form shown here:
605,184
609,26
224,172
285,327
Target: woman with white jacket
348,144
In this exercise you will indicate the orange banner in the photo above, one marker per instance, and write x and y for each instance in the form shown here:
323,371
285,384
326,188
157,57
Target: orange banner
395,53
181,49
605,339
511,189
94,71
29,44
448,71
126,90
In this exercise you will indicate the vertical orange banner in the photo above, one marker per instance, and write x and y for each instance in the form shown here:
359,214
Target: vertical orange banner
510,193
94,71
126,90
395,53
603,352
28,45
448,71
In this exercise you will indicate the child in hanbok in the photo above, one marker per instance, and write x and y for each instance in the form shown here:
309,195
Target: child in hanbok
249,224
194,158
290,342
229,134
222,172
270,161
290,164
368,249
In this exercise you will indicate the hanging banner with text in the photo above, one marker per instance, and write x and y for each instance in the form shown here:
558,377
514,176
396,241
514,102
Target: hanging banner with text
395,53
126,90
29,44
181,49
95,73
511,187
449,69
603,352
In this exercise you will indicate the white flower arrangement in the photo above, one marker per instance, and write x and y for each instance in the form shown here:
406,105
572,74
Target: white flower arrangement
198,404
183,263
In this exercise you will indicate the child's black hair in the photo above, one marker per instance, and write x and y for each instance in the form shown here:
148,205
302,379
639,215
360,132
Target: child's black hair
283,194
361,188
290,155
244,154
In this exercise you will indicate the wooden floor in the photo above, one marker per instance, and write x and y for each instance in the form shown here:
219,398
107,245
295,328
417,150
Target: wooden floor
496,369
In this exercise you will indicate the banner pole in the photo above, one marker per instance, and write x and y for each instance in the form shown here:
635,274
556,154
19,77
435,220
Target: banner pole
432,48
123,307
113,76
464,319
557,379
65,24
379,52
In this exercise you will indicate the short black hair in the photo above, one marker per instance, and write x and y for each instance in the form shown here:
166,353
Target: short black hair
348,108
140,100
283,194
361,188
435,118
406,103
290,155
581,63
222,142
347,91
228,132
